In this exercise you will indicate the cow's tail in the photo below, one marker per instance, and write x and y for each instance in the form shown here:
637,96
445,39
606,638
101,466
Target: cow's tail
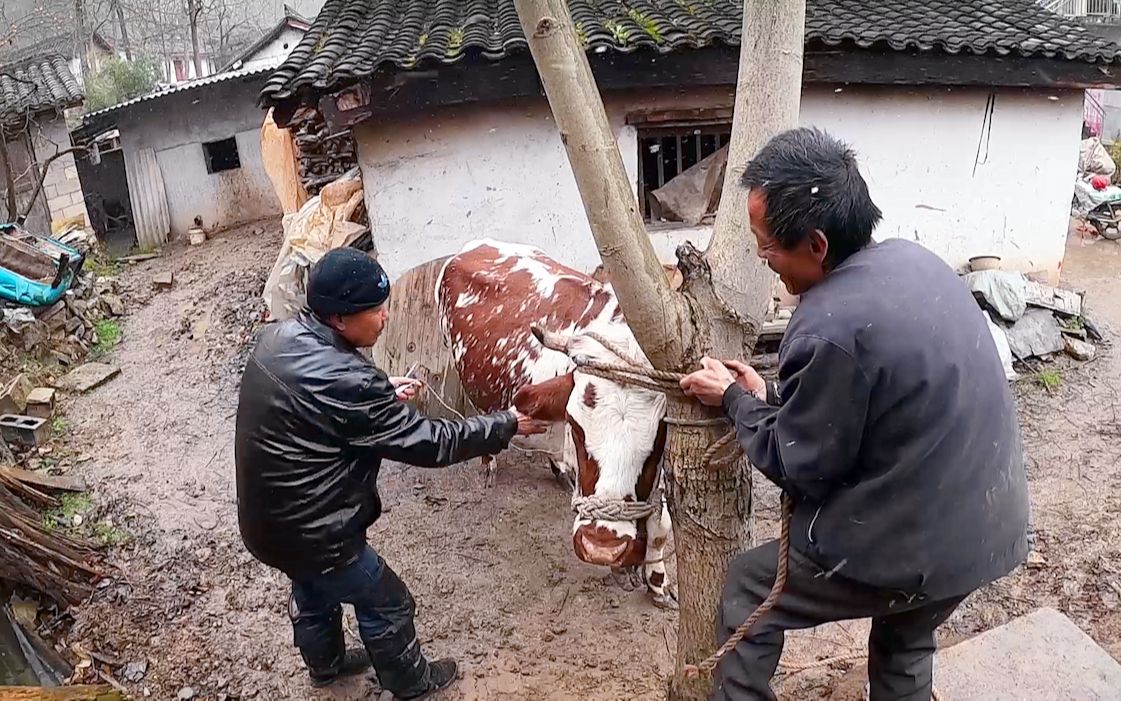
440,310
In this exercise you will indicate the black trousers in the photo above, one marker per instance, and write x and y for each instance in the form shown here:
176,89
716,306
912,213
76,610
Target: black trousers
900,646
384,609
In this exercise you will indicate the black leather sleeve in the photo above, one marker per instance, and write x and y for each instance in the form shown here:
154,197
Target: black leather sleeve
395,430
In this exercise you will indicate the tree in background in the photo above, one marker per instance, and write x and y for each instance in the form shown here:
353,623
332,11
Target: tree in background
119,80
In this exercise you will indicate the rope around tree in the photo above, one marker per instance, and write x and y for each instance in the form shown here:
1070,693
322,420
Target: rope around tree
631,372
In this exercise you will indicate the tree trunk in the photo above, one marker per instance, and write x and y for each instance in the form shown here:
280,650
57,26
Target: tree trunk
725,294
81,38
123,29
768,96
193,13
9,178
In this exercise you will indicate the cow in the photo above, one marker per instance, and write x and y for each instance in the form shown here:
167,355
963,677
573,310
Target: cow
608,437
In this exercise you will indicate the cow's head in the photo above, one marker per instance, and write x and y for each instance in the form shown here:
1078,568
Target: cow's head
614,437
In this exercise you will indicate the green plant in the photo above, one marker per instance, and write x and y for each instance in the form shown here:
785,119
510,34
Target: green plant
58,426
102,267
107,534
119,80
70,505
108,336
647,24
1050,380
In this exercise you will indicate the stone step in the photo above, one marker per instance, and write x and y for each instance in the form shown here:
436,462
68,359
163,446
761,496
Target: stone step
1042,655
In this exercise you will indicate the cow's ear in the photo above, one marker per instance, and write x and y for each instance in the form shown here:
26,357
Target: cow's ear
545,401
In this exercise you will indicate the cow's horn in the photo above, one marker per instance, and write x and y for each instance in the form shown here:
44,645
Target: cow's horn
550,340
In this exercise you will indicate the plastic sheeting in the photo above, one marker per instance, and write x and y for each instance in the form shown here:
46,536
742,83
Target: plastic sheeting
278,152
1002,348
694,193
1094,159
323,223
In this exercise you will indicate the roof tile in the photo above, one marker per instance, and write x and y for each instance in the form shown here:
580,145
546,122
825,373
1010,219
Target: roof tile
37,85
352,39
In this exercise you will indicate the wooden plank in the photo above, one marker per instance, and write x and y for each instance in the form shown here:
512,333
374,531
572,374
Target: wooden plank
414,335
62,693
38,479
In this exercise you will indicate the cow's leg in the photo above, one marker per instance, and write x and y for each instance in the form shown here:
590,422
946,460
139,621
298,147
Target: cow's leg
562,473
654,571
489,467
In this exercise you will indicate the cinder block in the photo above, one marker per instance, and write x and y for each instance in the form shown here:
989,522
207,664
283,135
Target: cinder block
24,430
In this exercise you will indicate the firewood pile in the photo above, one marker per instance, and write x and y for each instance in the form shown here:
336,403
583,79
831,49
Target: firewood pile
324,157
31,555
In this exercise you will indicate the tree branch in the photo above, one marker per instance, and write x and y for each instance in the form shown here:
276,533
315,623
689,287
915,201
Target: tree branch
656,315
42,178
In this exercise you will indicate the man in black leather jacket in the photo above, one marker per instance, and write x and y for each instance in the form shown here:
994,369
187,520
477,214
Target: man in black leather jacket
315,419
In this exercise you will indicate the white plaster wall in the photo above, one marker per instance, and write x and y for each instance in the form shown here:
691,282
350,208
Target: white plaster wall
434,182
275,51
176,126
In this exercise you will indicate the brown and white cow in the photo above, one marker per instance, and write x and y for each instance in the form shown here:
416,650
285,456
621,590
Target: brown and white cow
609,435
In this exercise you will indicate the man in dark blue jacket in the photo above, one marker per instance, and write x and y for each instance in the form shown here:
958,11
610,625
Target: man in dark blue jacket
314,421
891,427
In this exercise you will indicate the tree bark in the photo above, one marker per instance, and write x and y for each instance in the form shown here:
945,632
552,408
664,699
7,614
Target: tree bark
724,296
655,314
82,38
768,98
194,11
123,29
9,177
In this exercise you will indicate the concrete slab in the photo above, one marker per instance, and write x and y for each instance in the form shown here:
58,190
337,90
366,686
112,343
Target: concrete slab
1042,655
87,377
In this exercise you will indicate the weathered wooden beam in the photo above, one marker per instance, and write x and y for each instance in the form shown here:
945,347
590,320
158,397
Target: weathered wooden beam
61,693
38,479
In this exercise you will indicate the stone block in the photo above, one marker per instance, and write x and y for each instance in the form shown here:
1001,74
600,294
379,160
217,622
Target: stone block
75,210
71,172
13,397
1042,655
40,402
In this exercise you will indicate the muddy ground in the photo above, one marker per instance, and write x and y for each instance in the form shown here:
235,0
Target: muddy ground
492,570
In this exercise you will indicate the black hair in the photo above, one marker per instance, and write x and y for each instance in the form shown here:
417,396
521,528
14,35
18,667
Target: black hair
811,181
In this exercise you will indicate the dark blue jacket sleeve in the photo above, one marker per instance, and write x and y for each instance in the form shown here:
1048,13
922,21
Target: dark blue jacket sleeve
810,441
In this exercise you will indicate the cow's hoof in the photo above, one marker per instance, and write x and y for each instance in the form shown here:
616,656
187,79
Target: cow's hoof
628,578
565,481
666,599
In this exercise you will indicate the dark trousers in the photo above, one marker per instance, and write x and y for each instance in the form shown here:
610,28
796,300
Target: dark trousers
384,609
900,646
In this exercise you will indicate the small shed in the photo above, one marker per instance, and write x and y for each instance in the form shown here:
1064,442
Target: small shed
191,151
966,116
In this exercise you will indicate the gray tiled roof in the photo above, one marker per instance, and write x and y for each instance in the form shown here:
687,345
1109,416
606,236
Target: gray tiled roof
37,85
351,39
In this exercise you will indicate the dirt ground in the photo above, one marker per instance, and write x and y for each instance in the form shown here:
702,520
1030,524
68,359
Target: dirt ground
492,570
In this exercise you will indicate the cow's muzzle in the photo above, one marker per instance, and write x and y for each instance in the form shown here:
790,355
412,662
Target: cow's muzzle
597,544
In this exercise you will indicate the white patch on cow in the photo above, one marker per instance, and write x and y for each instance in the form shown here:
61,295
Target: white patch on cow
466,299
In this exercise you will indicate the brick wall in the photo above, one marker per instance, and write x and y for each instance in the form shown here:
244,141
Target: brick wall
61,187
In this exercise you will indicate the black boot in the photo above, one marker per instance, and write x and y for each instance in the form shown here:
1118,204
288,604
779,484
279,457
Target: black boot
441,674
355,661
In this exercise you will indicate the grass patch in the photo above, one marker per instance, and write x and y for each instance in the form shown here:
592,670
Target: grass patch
103,267
1049,380
107,534
58,426
70,505
108,336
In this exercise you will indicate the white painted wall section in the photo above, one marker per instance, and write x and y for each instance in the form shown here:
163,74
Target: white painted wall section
944,173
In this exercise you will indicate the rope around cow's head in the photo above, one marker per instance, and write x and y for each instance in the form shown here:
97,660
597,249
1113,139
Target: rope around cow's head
631,371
